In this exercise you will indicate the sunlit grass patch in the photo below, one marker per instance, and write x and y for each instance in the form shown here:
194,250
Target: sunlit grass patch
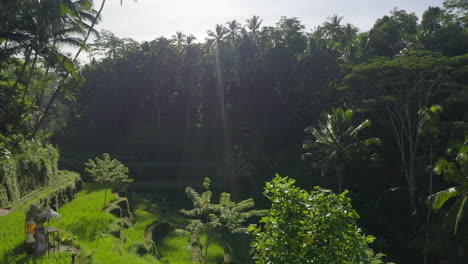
83,216
175,249
85,219
12,226
136,239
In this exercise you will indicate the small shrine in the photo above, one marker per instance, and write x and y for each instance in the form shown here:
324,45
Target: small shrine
41,239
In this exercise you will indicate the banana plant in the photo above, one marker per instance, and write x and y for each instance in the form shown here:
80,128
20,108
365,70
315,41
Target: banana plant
454,172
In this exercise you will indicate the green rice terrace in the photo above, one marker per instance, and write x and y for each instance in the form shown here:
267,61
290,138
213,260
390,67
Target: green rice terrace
233,132
128,230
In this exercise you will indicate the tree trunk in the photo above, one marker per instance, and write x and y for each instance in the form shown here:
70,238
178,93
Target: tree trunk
426,242
41,95
339,178
28,82
227,253
158,112
62,82
187,83
23,68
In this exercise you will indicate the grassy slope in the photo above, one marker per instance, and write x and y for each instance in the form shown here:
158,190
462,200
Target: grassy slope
12,227
84,219
172,248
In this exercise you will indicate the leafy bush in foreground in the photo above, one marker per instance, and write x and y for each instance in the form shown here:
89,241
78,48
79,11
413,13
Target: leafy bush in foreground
210,219
315,227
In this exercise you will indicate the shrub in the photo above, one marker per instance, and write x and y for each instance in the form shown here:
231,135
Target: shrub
315,227
209,219
107,170
25,165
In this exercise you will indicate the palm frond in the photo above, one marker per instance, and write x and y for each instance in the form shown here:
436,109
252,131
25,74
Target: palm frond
66,62
461,208
71,42
437,200
366,123
371,141
87,28
89,16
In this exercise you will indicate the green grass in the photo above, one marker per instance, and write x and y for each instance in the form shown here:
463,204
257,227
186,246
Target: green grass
12,241
84,219
174,250
135,236
12,226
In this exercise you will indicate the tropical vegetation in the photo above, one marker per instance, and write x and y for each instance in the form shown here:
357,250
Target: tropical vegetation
377,118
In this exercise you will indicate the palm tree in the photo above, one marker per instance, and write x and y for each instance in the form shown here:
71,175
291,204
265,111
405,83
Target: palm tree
348,33
216,41
234,29
254,25
67,64
190,39
336,138
38,29
63,25
454,172
333,28
217,36
180,39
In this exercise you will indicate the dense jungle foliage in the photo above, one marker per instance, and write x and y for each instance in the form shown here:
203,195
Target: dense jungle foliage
382,113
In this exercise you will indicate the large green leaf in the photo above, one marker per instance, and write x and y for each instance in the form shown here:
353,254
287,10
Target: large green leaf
438,200
67,64
366,123
460,212
371,141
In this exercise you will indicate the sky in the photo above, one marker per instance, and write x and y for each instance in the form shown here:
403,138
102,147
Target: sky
149,19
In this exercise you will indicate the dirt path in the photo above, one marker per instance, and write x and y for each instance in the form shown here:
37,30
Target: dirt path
26,198
4,212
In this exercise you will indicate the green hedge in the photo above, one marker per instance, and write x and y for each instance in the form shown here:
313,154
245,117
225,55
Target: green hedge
25,165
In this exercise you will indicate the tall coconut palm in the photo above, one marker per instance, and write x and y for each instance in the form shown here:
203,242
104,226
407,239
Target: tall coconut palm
333,28
253,24
334,140
62,23
216,37
68,64
216,41
190,39
38,29
348,33
179,39
234,28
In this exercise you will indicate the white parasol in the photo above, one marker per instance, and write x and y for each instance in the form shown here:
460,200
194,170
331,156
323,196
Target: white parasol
49,214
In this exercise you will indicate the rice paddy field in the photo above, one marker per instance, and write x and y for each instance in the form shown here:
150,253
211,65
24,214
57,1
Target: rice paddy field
102,237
